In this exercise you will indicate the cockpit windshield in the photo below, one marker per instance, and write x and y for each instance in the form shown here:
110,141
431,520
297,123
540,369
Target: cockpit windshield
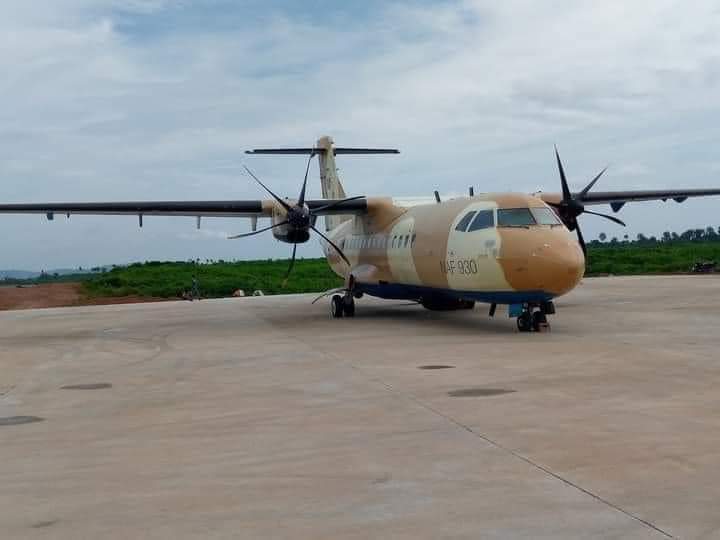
514,217
545,216
526,217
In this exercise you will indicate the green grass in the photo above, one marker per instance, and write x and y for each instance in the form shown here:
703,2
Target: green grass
658,258
220,279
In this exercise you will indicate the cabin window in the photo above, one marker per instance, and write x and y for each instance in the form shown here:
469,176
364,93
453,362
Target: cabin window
483,220
545,216
515,217
463,223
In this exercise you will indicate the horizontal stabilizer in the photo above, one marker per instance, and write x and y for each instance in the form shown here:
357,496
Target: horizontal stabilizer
338,150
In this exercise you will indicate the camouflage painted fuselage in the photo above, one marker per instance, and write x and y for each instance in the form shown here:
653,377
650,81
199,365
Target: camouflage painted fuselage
415,252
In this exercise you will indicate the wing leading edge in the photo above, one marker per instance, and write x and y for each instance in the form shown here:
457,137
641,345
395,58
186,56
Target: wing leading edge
257,208
618,199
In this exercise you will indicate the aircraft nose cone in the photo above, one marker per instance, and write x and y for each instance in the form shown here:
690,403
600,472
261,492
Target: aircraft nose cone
557,267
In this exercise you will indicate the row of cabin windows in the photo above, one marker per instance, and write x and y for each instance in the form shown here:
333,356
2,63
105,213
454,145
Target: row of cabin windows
381,242
507,217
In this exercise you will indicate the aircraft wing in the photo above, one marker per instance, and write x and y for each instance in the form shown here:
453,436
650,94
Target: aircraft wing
618,199
246,209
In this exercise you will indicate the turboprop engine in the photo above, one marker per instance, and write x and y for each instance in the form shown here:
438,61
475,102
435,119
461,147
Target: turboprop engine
292,221
293,226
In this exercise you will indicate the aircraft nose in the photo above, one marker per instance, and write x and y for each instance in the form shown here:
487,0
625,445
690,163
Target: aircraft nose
557,266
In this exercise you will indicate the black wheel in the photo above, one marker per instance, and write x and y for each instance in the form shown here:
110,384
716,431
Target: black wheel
348,306
336,306
524,322
539,321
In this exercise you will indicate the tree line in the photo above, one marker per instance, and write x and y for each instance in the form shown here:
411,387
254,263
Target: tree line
708,234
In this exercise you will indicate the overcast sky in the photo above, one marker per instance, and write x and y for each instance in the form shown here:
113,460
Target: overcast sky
141,100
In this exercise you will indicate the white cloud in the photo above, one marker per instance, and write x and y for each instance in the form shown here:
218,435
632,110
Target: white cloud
141,100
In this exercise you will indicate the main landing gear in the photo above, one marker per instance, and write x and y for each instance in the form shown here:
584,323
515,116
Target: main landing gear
533,318
342,306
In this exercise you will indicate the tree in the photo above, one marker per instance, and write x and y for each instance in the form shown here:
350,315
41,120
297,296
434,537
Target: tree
603,236
666,236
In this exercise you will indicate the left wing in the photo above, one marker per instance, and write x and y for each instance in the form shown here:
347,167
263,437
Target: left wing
257,208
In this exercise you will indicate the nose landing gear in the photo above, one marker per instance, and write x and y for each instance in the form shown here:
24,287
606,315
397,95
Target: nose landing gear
533,318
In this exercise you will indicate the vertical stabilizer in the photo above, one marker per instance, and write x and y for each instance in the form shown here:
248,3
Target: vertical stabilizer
331,186
326,151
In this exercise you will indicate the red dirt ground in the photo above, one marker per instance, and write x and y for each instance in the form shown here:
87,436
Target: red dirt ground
57,295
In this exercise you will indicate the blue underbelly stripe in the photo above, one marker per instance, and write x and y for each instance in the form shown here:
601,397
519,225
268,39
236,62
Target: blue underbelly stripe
398,291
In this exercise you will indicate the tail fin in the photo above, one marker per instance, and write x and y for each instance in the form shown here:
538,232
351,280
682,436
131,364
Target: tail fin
331,186
329,181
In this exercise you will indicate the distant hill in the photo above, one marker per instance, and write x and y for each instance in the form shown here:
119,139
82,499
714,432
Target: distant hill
18,274
30,274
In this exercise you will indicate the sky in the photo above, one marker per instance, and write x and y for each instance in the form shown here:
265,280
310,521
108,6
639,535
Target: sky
108,100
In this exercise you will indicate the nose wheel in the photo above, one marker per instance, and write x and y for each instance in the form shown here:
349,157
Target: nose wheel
533,321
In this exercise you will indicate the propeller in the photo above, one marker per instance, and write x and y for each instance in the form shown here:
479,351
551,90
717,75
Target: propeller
570,208
300,220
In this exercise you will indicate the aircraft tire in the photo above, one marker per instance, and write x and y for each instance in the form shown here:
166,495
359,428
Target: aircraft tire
539,321
336,306
524,322
348,306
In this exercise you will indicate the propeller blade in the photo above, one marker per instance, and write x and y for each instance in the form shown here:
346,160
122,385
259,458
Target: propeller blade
611,218
292,263
585,191
337,203
344,258
581,240
301,199
245,235
282,203
567,196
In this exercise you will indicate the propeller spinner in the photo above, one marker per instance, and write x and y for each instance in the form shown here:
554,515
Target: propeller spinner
570,208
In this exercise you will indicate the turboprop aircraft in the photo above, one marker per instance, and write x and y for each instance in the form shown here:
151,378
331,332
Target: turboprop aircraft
497,248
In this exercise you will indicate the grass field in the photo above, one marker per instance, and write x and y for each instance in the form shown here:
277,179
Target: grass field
651,258
171,279
220,279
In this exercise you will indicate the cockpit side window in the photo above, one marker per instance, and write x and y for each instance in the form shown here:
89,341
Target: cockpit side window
463,223
545,216
515,217
483,220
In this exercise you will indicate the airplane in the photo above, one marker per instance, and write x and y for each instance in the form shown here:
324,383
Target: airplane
509,249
